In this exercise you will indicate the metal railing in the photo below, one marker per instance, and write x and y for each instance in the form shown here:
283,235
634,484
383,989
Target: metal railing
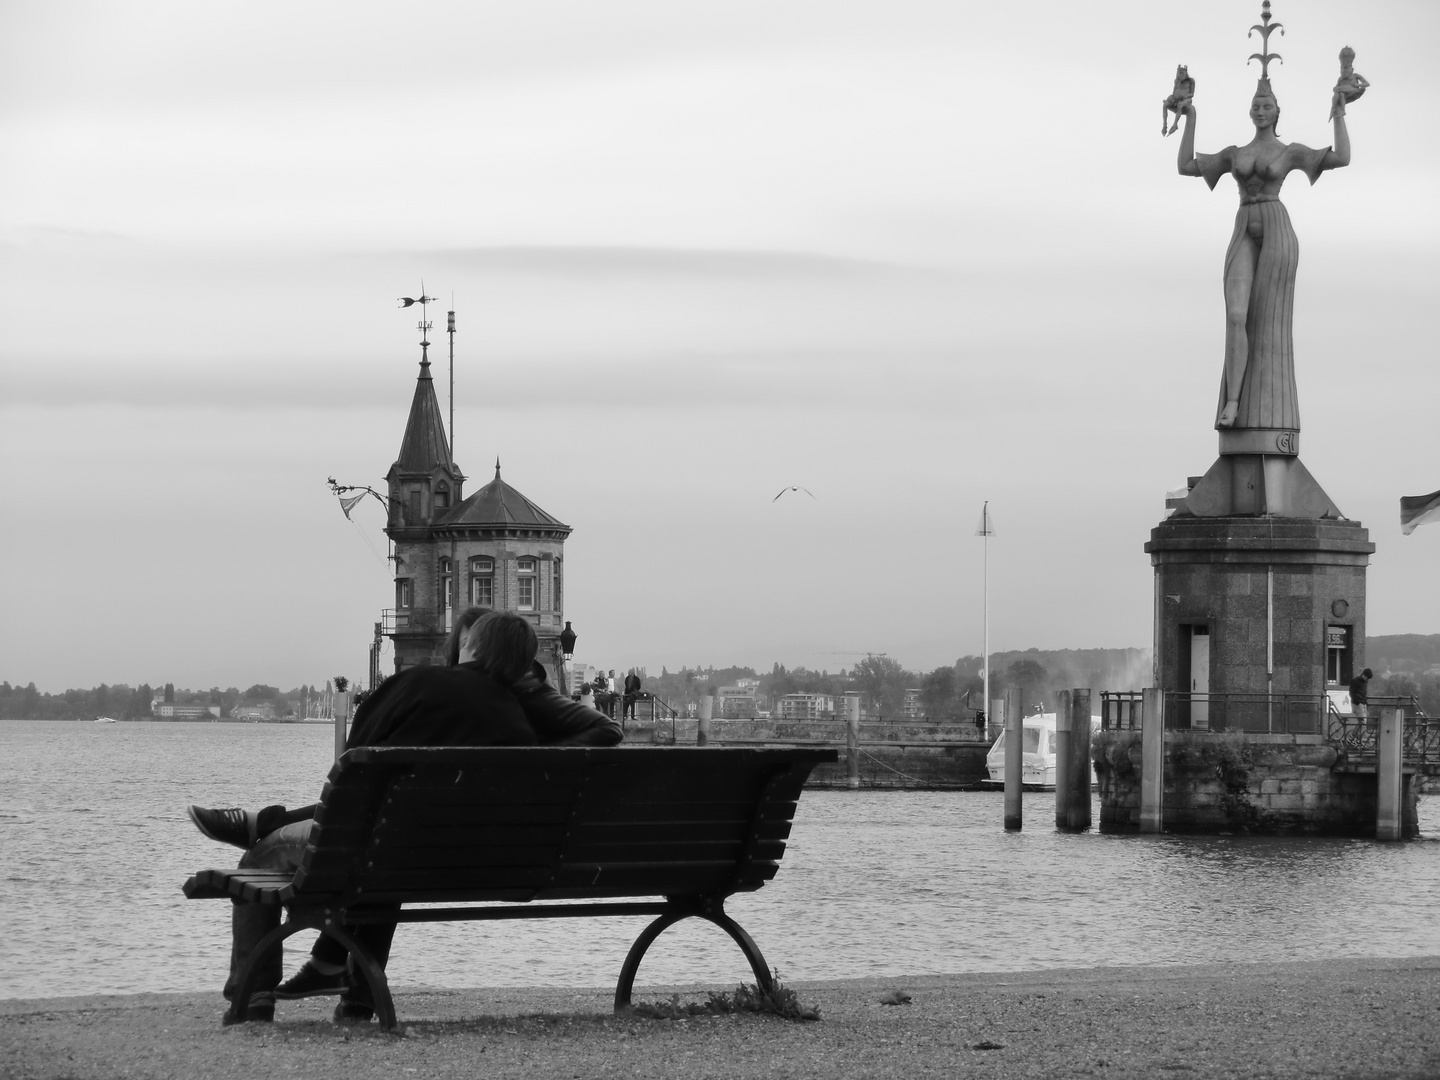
1121,710
660,713
1260,714
1353,735
1357,736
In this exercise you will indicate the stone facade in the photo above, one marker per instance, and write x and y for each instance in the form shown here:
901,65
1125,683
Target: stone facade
1237,783
1256,586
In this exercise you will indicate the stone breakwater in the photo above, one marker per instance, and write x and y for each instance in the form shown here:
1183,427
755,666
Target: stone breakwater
1336,1018
891,754
1217,782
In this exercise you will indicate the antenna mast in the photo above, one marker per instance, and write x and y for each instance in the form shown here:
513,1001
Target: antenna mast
450,329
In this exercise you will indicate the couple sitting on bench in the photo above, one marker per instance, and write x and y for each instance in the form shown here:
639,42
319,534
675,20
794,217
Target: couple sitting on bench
492,693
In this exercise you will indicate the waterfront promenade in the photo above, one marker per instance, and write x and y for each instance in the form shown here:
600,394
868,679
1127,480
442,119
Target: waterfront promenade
1335,1018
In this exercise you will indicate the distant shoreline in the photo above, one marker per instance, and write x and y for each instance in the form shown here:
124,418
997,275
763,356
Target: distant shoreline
163,720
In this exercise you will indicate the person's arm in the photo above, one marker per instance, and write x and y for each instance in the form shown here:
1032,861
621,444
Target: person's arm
1186,162
1339,155
558,721
1209,167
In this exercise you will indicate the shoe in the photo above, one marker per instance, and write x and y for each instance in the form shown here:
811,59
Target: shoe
352,1012
226,826
310,981
258,1013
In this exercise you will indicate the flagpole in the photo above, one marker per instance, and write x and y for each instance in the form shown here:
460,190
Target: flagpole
985,529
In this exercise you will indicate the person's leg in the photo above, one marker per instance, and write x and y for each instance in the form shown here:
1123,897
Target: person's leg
277,817
245,828
357,1003
282,849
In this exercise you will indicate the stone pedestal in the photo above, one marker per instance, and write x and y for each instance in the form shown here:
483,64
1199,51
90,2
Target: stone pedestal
1277,598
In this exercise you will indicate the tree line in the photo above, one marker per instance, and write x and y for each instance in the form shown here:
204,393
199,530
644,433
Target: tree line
124,702
951,692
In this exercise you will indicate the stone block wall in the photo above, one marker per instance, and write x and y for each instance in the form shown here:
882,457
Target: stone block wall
1216,572
1218,783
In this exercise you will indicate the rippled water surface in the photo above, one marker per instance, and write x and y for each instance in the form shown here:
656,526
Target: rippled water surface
94,845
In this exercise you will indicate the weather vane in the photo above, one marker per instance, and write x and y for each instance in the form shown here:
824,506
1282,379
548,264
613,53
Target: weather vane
1265,55
424,324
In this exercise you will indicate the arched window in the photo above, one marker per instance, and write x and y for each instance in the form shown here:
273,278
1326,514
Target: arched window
442,496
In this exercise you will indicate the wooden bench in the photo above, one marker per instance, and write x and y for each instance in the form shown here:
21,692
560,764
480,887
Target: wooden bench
403,826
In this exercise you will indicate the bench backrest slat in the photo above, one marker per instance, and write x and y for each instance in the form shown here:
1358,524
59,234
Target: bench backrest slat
402,824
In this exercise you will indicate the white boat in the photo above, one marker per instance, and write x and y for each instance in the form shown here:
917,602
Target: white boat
104,720
1037,768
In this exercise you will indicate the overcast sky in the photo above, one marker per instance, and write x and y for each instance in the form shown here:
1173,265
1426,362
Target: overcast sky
909,255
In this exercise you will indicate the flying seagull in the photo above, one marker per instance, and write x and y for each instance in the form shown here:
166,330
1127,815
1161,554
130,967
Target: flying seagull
794,487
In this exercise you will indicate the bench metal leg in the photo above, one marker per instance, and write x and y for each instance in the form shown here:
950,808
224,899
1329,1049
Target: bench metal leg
374,974
245,983
710,913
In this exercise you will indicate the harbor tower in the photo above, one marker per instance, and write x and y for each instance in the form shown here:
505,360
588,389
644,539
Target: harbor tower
495,549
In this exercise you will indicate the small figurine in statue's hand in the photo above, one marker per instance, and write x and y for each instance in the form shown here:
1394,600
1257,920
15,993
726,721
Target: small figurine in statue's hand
1351,85
1179,99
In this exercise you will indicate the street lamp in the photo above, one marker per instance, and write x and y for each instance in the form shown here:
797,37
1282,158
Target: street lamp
567,641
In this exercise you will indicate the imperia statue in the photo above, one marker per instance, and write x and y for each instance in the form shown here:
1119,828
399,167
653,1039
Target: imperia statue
1257,389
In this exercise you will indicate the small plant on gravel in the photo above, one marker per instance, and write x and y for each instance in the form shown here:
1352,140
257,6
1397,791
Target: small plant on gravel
778,1000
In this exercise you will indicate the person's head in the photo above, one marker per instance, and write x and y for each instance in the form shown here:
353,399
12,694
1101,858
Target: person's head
460,626
1347,61
502,644
1265,108
1366,674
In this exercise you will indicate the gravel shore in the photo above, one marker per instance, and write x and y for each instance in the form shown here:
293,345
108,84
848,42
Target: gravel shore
1343,1018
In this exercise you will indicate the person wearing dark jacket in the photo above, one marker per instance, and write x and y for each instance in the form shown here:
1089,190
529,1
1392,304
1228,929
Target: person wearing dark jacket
495,695
632,691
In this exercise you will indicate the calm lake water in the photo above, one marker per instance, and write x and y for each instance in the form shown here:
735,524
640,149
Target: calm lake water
95,844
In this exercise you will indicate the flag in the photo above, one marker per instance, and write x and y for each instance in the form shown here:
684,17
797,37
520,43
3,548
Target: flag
347,505
987,524
1418,510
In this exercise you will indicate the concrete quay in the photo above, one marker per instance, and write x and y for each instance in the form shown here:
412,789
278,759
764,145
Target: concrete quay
1336,1018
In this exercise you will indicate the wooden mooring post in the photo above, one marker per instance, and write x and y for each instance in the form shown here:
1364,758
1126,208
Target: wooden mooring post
1152,760
702,729
1072,760
1014,757
852,738
341,704
1063,751
1389,783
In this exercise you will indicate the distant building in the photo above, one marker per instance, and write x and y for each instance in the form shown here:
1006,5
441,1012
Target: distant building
911,705
169,710
805,706
495,549
738,700
262,711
